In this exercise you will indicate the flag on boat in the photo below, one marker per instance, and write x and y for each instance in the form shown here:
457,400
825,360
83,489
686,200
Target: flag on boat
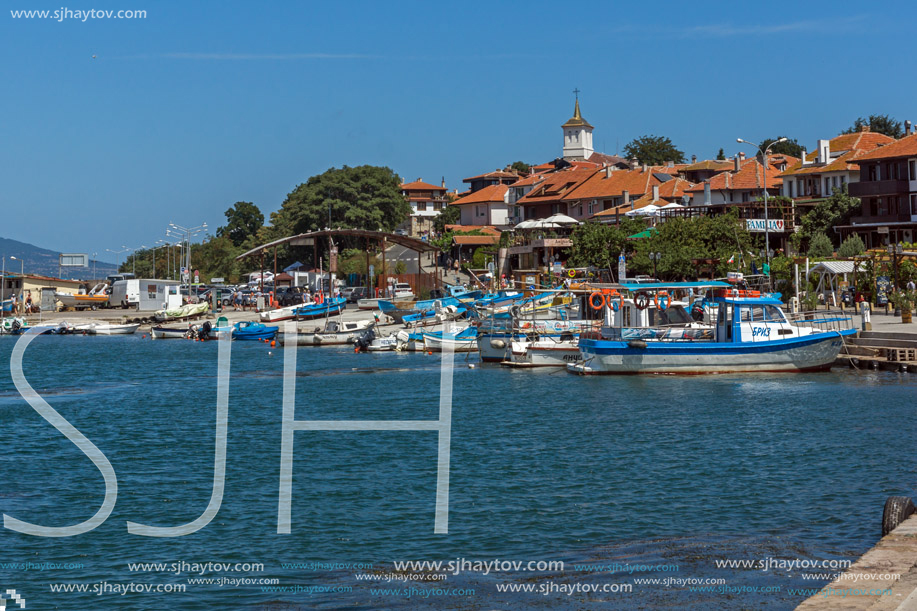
732,259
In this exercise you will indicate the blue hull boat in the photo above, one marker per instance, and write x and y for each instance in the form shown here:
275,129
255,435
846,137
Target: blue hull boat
253,331
329,307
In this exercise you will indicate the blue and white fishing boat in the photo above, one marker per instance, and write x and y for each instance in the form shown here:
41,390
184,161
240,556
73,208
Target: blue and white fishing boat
750,334
329,307
466,340
398,310
248,330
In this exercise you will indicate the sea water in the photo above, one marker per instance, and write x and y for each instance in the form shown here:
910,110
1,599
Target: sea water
619,478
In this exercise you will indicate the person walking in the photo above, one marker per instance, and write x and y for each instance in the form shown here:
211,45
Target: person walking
910,285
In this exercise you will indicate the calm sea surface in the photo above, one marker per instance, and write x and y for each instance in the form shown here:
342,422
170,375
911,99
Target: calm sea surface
646,471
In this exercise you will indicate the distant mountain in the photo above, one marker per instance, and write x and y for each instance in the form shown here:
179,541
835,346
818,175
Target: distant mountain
44,262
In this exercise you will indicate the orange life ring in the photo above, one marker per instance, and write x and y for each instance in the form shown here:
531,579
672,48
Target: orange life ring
667,300
641,300
319,298
597,306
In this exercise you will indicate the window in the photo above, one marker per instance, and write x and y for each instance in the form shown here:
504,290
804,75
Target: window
773,313
843,180
912,169
744,196
421,206
913,205
757,313
827,185
871,173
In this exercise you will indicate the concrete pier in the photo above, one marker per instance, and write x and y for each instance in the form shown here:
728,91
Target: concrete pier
895,554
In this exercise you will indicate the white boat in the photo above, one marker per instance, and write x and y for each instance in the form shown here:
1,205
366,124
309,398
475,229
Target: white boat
112,329
287,313
384,344
185,311
334,333
97,297
371,303
459,340
752,334
169,332
547,352
12,325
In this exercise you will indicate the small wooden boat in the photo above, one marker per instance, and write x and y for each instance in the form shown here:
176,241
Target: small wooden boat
170,332
465,340
280,314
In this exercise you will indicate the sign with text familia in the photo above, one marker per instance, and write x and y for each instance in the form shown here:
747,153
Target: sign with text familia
759,225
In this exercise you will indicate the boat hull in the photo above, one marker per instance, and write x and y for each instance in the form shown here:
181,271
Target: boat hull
545,353
809,353
113,329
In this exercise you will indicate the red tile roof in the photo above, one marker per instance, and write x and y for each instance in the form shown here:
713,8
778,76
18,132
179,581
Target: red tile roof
419,185
528,180
857,145
709,164
489,194
614,183
475,240
556,186
488,229
750,176
494,175
905,147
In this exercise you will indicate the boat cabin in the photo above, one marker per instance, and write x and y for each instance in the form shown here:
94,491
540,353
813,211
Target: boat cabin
753,319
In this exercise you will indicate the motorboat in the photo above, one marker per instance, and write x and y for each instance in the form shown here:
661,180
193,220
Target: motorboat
185,311
546,352
459,340
280,314
250,331
105,328
333,333
13,325
95,298
751,334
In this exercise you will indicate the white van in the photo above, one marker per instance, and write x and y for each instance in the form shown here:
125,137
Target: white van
125,294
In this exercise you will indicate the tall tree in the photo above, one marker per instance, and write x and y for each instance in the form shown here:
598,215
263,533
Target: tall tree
836,210
363,197
598,245
721,156
653,150
244,220
521,167
788,147
450,215
882,124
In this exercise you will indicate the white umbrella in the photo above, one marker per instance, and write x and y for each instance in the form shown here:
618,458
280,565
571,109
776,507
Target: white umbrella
562,219
672,205
648,210
544,224
524,225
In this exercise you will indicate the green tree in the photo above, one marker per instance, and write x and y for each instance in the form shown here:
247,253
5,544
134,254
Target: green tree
653,150
836,210
851,247
788,147
721,156
520,167
450,215
244,220
820,246
363,197
598,245
882,124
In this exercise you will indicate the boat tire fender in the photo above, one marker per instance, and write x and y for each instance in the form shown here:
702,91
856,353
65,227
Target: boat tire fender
637,343
497,344
897,510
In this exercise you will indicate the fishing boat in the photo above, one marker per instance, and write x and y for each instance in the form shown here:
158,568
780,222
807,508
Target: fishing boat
751,334
406,311
329,307
466,340
333,333
104,328
546,352
170,332
497,335
249,330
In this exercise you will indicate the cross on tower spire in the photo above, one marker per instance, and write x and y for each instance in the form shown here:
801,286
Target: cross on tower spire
576,93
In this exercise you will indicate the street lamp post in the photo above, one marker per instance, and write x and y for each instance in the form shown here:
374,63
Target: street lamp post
767,241
655,257
188,233
21,278
118,253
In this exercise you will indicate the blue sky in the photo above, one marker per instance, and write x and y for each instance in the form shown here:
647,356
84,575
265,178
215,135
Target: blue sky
203,104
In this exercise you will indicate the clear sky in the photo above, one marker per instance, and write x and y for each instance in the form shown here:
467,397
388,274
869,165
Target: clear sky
202,104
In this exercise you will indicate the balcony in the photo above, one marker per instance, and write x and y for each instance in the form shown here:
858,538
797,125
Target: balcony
878,187
880,219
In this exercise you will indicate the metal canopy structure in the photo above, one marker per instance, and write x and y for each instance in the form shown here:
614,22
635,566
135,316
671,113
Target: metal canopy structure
383,238
303,240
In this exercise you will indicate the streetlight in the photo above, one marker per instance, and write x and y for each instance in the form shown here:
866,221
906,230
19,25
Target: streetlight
187,233
767,241
94,256
21,276
118,253
655,257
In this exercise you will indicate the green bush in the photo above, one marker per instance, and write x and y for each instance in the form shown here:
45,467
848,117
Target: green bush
851,247
820,246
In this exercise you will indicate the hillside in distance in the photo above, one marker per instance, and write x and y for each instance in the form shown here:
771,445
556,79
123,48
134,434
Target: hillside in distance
44,262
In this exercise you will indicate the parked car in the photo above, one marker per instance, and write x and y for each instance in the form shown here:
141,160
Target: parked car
356,294
290,295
